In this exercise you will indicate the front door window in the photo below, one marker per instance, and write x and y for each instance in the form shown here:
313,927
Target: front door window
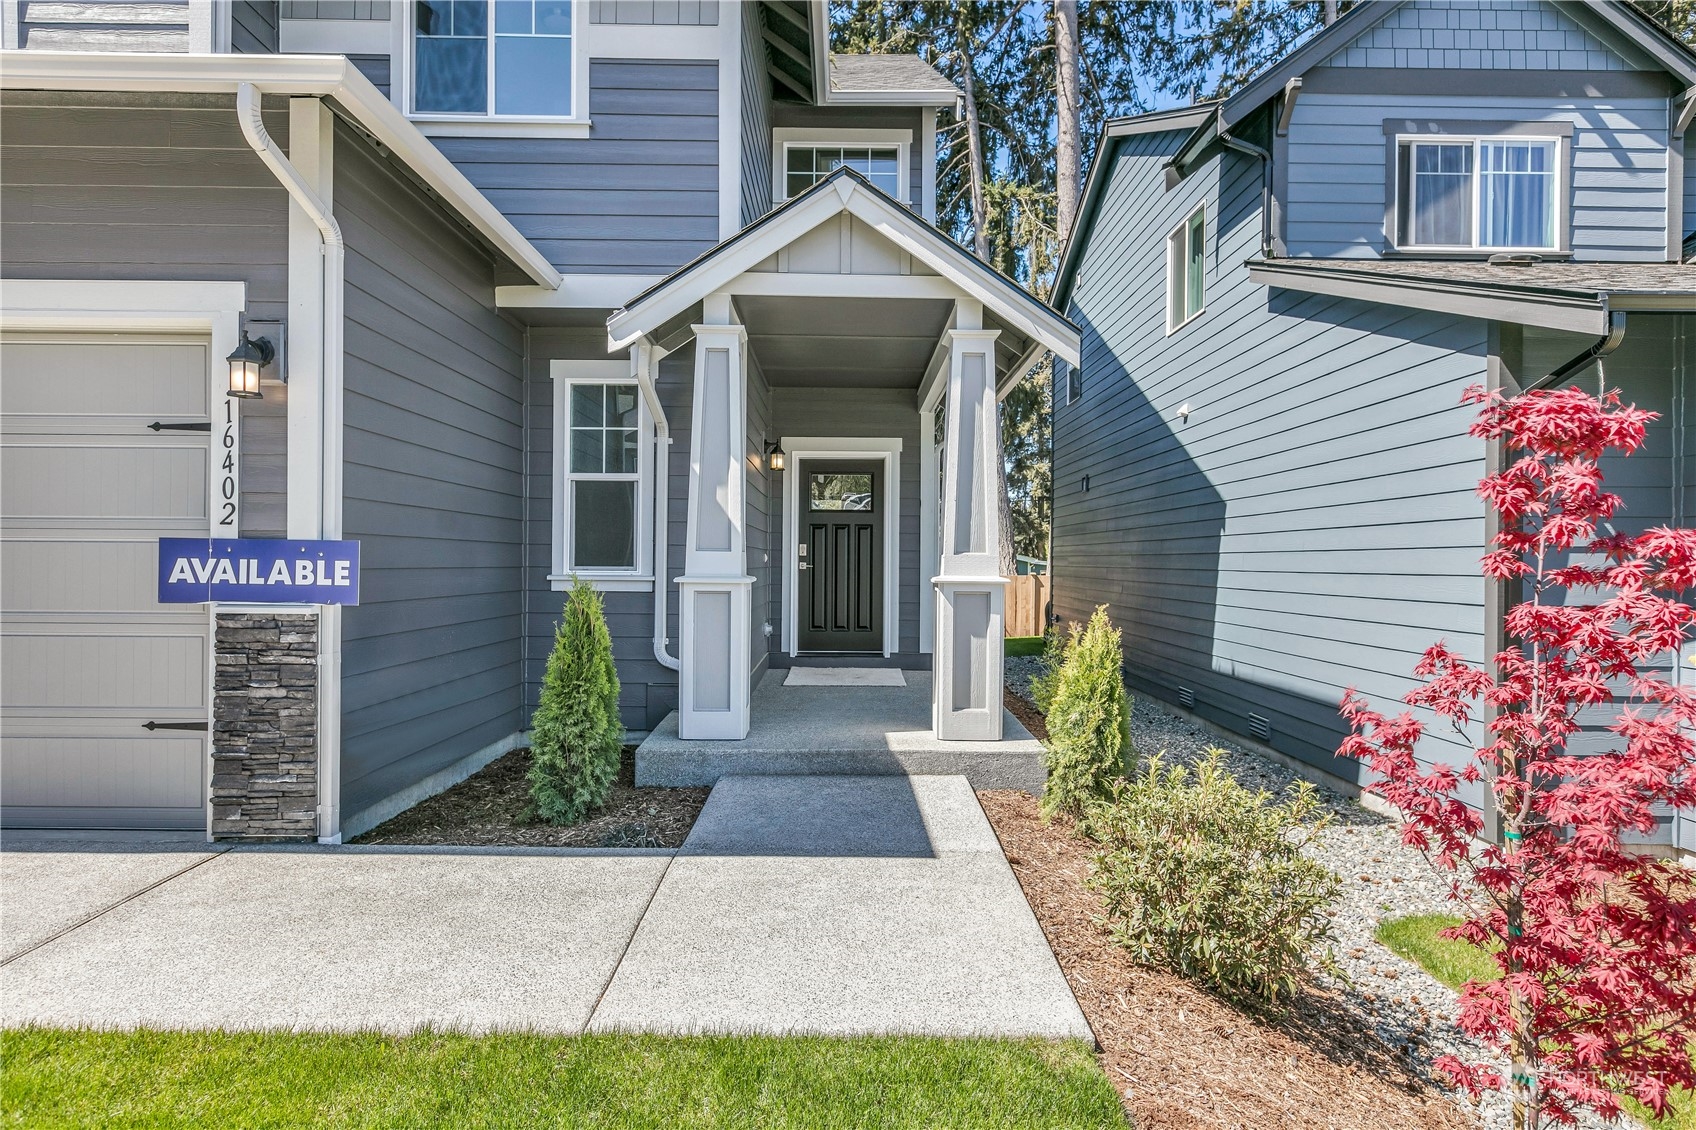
839,559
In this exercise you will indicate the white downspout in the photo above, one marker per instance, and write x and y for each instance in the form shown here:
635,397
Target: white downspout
644,361
330,436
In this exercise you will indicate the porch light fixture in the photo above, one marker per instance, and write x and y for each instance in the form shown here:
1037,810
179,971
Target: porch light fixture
774,456
246,362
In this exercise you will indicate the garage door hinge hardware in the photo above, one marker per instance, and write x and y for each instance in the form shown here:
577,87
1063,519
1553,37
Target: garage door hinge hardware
201,426
174,726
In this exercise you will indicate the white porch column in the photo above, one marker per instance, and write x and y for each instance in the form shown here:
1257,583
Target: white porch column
715,590
966,657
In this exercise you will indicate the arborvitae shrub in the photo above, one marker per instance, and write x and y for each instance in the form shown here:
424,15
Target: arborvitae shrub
576,735
1089,720
1046,682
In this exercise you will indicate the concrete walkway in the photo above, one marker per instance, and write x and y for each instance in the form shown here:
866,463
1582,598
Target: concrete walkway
836,904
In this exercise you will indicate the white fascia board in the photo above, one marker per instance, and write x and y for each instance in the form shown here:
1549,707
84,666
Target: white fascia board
891,98
322,76
894,223
577,292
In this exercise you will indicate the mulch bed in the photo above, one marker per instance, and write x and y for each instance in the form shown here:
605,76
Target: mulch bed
492,808
1028,714
1182,1058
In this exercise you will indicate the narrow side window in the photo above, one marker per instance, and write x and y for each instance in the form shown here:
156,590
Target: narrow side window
1186,269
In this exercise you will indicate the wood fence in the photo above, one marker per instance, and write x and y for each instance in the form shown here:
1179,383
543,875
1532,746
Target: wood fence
1027,600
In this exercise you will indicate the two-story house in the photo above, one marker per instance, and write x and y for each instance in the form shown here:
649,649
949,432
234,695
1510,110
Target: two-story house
646,292
1262,464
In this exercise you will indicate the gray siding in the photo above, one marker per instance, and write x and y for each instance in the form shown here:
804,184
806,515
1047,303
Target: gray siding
1312,525
790,115
756,118
336,9
156,25
433,482
1689,182
861,412
764,517
687,12
253,27
1479,35
638,196
1337,160
106,186
374,67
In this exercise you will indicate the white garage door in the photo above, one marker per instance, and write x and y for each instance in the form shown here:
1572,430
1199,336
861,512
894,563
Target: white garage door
88,657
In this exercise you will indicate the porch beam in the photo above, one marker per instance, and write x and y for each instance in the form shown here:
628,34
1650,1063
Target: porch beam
715,590
807,284
970,591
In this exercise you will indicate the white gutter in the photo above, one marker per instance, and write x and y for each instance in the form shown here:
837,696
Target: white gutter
644,362
248,113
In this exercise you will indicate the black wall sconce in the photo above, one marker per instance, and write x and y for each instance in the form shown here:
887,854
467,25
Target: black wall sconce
246,362
774,456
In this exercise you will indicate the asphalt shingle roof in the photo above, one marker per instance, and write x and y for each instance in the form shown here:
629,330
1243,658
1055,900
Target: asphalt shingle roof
1578,278
851,74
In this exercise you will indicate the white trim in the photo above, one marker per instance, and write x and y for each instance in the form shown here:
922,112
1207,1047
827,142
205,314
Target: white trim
1560,219
561,582
783,138
312,153
654,41
335,37
565,374
898,224
489,123
786,283
576,292
320,75
927,167
888,451
729,118
213,309
1176,258
203,29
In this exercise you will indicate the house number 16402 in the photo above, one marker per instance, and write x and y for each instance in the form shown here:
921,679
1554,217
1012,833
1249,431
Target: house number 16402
226,480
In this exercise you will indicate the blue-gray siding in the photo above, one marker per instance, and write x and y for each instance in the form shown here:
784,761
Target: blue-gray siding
106,186
162,25
685,12
763,515
1312,525
637,196
1479,35
374,67
253,27
756,118
433,435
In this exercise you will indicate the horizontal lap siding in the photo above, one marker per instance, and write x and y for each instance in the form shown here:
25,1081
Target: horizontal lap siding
639,195
756,118
153,26
763,515
1338,156
431,658
253,27
1312,525
102,186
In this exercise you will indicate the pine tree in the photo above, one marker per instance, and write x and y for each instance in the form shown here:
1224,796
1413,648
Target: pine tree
576,735
1089,721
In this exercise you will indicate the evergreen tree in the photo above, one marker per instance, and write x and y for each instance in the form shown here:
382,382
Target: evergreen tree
1089,721
576,736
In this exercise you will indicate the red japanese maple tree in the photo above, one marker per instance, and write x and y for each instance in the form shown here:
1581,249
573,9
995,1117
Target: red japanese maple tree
1596,942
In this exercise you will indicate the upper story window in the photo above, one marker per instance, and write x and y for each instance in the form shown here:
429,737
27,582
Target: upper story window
1186,260
803,157
493,58
603,507
1479,193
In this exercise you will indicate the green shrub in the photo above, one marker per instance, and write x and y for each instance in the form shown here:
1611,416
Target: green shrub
1047,682
1089,720
1207,878
576,735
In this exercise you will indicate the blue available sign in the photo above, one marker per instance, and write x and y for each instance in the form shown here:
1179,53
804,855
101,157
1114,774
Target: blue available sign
258,571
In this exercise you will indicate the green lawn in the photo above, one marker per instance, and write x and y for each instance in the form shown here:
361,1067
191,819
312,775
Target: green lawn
1024,645
63,1078
1455,963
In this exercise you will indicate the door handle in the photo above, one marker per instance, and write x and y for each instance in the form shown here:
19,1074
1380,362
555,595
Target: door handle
802,565
174,726
202,426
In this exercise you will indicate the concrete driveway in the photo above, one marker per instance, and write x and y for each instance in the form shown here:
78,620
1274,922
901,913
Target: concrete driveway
799,904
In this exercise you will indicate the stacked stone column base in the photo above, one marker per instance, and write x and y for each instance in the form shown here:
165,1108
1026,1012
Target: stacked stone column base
265,727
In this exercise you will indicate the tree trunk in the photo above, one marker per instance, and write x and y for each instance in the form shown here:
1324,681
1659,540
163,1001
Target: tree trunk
1068,163
974,142
1330,12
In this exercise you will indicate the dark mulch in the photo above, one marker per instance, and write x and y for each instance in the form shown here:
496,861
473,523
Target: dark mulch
492,807
1182,1058
1025,712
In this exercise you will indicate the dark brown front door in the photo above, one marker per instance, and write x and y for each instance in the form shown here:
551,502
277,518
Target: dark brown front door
839,557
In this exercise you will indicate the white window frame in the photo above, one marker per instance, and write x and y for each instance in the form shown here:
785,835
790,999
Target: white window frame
640,575
1074,384
1404,212
490,124
784,139
1177,257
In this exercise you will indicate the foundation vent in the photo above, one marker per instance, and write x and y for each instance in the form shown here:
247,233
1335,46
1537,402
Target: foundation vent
1259,728
1186,698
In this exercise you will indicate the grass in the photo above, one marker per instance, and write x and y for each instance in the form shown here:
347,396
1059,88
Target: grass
1455,963
1023,645
81,1077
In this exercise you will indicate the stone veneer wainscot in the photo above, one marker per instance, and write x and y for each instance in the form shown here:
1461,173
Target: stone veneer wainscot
265,728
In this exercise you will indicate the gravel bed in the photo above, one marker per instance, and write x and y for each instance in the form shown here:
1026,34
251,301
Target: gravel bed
1409,1010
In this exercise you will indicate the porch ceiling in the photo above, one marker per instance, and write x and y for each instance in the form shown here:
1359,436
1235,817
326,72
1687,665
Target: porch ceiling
843,342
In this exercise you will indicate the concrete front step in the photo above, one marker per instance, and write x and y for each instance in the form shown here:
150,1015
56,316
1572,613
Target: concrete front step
854,731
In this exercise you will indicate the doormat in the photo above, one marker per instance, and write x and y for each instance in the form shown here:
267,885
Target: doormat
844,677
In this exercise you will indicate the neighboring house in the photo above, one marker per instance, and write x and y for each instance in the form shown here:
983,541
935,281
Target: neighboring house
1262,464
556,287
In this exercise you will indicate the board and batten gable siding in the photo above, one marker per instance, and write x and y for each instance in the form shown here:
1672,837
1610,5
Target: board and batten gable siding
111,186
1312,525
253,27
860,413
788,115
639,195
432,487
689,13
756,118
647,690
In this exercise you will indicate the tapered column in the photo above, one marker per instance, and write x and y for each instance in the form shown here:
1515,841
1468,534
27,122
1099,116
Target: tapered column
970,591
715,589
